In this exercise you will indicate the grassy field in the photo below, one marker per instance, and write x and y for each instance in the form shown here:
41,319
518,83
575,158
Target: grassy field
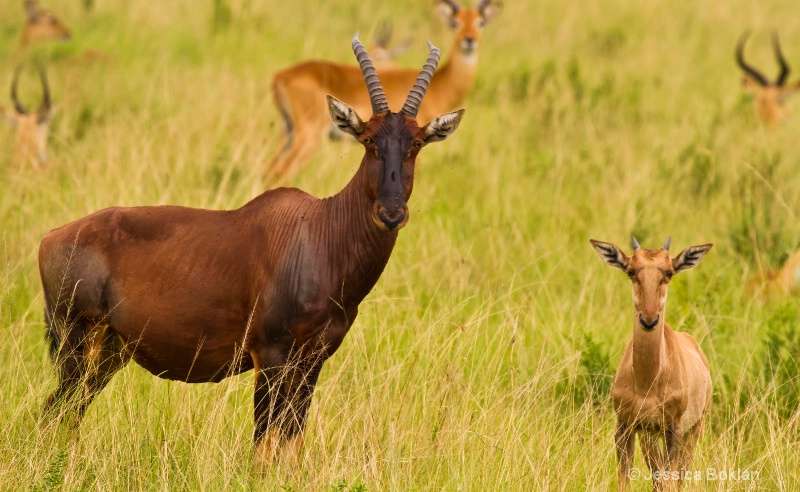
483,358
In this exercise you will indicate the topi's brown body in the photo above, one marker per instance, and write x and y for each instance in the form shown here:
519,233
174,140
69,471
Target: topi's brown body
198,295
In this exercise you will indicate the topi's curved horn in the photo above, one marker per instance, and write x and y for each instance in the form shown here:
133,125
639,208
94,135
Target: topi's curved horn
666,245
46,102
635,243
744,66
376,94
414,98
776,45
17,104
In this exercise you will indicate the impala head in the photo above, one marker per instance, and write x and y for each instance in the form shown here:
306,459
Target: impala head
650,271
467,23
31,126
770,96
391,140
384,55
42,25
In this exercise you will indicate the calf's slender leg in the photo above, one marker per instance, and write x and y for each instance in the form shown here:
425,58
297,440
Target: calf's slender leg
653,455
624,441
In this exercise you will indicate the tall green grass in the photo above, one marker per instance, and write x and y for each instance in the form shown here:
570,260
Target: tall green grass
481,360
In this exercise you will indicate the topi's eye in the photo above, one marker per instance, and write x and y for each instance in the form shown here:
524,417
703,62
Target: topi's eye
367,140
417,144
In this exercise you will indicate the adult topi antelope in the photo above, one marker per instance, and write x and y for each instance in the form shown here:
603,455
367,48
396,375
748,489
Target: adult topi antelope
31,127
41,25
299,91
662,388
770,97
198,295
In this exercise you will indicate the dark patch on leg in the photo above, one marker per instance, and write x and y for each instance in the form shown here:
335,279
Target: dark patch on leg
286,117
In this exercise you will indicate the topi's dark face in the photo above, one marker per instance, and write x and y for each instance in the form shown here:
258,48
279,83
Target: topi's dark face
391,142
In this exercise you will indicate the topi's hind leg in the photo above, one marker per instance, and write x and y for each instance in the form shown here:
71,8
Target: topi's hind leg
86,359
67,355
104,356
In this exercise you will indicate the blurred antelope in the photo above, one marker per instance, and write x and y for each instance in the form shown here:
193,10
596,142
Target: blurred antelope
384,56
772,283
662,388
770,97
299,91
41,25
198,295
30,144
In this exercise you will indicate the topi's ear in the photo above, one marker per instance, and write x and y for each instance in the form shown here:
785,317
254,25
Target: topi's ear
345,117
690,257
611,254
442,126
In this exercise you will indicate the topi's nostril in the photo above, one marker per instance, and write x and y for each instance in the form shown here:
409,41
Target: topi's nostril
648,325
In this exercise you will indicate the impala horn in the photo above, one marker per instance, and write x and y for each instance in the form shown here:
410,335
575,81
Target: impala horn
755,74
635,243
17,104
31,9
376,94
666,245
383,33
453,5
414,98
776,45
46,102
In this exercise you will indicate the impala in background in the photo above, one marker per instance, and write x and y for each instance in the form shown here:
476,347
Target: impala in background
41,25
300,91
31,127
768,284
770,97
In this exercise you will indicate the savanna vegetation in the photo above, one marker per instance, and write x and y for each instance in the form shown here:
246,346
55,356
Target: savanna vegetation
483,358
